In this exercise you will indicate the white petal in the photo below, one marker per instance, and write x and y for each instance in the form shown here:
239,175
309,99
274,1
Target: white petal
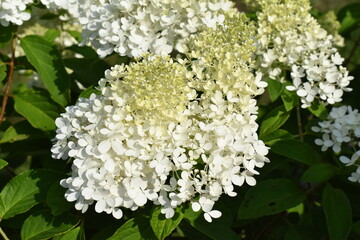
207,217
250,180
100,206
195,206
215,214
117,213
104,146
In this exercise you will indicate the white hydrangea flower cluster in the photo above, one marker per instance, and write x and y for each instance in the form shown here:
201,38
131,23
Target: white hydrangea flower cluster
342,129
14,11
167,131
330,23
133,27
290,38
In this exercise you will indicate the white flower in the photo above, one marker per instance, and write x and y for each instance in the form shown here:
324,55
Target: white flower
150,137
299,43
341,129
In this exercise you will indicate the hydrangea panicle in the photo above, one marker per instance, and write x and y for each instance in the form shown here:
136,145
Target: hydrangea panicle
341,129
142,140
291,39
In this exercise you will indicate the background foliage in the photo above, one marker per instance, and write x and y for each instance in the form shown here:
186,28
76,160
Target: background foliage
302,194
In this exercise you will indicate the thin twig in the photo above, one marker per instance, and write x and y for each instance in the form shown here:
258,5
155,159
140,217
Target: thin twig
3,234
299,124
9,82
352,52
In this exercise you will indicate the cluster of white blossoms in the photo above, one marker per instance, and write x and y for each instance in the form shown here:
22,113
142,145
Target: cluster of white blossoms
133,27
168,131
291,39
14,11
17,11
342,129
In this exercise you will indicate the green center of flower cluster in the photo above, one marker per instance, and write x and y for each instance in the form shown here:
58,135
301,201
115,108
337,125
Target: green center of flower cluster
158,89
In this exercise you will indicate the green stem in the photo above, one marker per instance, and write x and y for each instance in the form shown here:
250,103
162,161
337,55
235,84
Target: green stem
3,234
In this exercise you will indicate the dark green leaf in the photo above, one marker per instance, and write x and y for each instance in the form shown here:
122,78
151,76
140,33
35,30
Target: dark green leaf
88,91
26,190
3,163
219,229
338,213
292,234
20,131
318,173
37,108
296,150
318,110
134,229
86,51
356,228
75,234
275,88
87,71
270,197
6,34
349,17
56,200
161,226
273,120
290,99
43,225
275,136
47,60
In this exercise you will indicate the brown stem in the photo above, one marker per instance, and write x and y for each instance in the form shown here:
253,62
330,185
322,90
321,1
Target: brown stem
2,233
299,124
9,82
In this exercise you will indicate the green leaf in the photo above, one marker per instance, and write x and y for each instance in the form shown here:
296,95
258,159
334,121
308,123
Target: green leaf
318,173
88,91
292,234
3,71
277,135
338,213
43,225
3,163
38,109
86,51
296,150
20,131
75,234
318,110
87,71
161,226
56,200
26,190
270,197
356,228
275,88
51,35
6,34
134,229
274,120
219,229
290,99
349,17
47,61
